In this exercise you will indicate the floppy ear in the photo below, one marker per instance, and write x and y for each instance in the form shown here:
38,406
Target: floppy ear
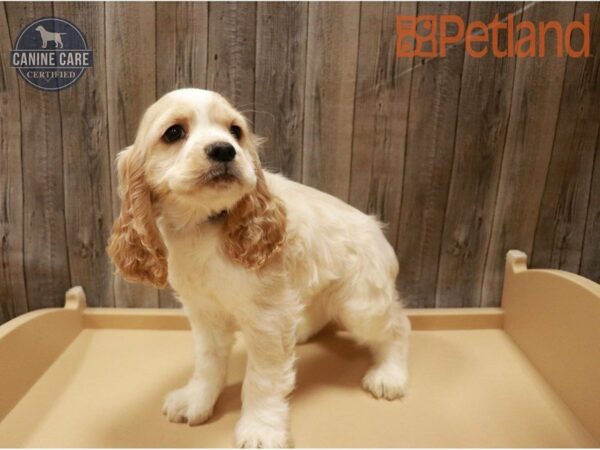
255,228
135,245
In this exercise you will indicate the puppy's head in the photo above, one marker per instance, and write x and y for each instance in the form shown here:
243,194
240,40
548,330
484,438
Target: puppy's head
194,159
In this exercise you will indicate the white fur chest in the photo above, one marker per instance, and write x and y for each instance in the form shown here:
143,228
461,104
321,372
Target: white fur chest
202,274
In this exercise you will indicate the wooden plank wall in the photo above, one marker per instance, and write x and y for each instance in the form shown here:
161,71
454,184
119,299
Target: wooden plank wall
463,158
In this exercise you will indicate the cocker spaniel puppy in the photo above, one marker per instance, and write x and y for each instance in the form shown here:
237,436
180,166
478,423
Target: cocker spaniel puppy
250,250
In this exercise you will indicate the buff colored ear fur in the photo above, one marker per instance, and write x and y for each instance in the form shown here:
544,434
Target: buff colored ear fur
135,245
255,228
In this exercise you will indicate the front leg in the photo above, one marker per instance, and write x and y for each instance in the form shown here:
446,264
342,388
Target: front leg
270,378
213,337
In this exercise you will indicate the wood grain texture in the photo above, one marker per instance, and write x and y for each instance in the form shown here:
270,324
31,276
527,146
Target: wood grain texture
332,50
46,261
463,157
590,263
281,33
131,88
181,45
533,118
381,115
561,222
13,296
87,162
483,111
590,251
231,52
432,119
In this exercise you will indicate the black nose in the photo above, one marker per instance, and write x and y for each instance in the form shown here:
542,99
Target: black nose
221,151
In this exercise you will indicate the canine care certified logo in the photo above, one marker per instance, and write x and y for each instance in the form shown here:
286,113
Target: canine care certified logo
51,54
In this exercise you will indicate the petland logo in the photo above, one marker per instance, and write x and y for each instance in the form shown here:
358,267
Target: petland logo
429,36
51,54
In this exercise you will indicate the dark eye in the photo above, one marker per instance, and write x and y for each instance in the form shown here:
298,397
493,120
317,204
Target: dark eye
235,131
173,133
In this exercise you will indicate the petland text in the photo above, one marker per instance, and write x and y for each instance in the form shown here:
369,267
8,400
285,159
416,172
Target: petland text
430,36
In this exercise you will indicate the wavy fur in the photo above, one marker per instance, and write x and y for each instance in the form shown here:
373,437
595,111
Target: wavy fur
135,245
255,228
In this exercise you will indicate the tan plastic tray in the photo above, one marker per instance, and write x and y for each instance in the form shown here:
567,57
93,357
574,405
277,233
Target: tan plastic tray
525,375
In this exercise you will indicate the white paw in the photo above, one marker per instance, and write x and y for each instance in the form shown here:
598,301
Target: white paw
255,434
386,382
192,403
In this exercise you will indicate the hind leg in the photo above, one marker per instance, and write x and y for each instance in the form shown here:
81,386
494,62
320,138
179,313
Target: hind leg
382,325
